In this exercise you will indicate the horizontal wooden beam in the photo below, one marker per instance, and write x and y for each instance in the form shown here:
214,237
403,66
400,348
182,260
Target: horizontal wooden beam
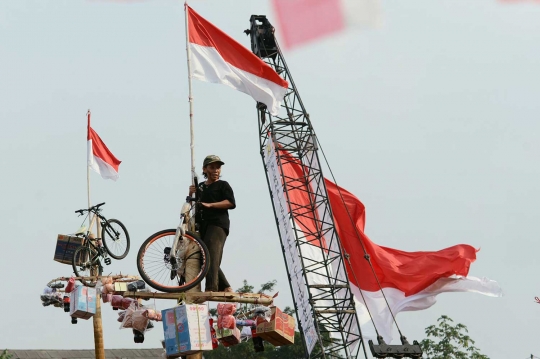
115,278
197,298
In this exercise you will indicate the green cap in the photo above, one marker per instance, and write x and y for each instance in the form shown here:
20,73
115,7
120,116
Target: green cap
212,159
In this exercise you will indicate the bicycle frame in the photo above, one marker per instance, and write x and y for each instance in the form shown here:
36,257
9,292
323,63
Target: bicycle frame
185,220
94,212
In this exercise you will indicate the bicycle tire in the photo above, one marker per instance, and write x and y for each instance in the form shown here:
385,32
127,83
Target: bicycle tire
116,245
82,266
155,270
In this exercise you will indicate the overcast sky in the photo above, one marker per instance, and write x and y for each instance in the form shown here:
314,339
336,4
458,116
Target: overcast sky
431,120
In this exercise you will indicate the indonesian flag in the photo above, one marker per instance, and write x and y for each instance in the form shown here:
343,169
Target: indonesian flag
217,58
410,280
100,159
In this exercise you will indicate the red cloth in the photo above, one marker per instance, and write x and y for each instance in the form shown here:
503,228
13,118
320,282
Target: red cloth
409,272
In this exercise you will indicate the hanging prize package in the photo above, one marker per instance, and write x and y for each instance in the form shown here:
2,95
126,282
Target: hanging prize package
226,320
120,287
70,285
65,248
227,332
227,336
133,287
215,342
186,330
279,330
82,302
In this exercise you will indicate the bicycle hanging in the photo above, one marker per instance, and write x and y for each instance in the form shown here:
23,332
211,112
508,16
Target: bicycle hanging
115,243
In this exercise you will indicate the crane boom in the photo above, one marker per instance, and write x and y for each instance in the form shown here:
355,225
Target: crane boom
312,250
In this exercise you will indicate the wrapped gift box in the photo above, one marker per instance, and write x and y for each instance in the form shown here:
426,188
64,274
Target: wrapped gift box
186,330
227,336
82,302
120,287
279,330
65,248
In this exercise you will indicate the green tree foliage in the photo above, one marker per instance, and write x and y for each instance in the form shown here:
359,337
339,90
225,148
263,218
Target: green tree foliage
449,341
5,355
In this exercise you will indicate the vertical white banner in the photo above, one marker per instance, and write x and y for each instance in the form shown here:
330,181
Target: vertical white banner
294,265
337,269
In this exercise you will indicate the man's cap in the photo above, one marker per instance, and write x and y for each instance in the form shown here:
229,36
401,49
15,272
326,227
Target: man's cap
212,159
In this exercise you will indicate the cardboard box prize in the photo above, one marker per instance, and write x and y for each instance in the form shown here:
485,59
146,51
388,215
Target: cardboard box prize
82,302
120,287
227,336
279,330
186,330
65,248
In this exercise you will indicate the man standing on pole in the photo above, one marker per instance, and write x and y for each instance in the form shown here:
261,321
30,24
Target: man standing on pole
215,197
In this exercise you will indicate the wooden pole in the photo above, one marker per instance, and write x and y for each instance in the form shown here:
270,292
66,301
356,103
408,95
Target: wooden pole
190,274
197,298
191,127
98,326
98,331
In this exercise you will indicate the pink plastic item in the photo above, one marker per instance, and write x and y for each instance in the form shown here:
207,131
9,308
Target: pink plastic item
107,288
126,302
116,301
139,321
226,321
226,308
121,316
152,315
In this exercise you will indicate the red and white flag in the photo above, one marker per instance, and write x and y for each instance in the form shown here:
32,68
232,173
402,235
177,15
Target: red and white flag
100,159
303,21
409,280
217,58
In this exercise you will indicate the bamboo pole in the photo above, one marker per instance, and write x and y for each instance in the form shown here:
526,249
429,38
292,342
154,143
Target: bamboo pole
197,298
98,324
191,127
116,278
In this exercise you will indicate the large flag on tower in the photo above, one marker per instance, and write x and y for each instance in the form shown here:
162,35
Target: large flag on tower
409,280
100,159
217,58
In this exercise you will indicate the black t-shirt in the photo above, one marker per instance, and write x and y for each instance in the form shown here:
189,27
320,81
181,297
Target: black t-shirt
216,192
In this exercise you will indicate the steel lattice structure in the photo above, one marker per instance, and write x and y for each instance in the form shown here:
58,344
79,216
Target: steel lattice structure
330,304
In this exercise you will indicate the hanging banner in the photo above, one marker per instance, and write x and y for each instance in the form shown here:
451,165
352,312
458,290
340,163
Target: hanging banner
288,240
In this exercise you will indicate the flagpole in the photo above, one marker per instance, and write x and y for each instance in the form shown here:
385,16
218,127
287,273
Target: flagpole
87,165
191,130
192,133
99,348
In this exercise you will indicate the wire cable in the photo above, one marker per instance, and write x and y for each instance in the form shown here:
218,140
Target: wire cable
366,255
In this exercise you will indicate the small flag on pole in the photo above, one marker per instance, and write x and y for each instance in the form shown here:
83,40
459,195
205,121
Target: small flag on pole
100,159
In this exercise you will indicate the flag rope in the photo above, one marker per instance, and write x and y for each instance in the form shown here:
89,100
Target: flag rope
366,254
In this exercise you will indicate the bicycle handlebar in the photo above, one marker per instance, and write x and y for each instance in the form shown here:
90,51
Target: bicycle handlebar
81,211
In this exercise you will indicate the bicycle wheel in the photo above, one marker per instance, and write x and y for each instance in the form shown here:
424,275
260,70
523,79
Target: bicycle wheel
115,238
83,266
154,261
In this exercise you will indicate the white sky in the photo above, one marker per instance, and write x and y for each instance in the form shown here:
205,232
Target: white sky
431,120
